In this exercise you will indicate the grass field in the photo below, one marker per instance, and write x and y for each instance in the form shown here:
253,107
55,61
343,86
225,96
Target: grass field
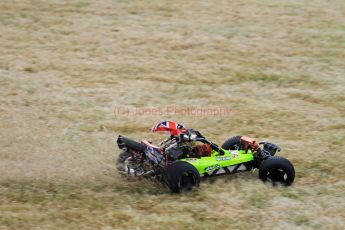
67,66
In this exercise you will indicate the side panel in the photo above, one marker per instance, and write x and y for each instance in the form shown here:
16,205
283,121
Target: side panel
214,162
154,155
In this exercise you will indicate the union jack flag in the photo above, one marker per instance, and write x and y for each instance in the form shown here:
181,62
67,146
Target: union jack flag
169,126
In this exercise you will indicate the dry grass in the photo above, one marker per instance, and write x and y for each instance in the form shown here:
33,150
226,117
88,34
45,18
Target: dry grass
65,66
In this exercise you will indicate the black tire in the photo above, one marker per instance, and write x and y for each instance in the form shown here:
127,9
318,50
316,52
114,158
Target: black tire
182,176
277,170
233,143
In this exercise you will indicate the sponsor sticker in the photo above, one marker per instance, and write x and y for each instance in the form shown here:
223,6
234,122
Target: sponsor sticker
234,154
213,167
225,158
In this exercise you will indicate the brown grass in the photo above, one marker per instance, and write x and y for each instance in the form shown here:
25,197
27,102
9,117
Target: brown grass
66,65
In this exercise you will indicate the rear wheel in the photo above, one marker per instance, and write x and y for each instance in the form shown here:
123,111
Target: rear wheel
233,143
182,176
277,170
127,166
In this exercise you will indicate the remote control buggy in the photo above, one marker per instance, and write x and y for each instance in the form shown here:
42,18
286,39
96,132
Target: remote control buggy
186,156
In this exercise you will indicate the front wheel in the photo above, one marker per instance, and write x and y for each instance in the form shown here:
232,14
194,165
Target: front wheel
277,170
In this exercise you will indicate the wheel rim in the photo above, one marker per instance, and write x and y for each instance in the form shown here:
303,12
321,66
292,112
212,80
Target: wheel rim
187,181
127,167
277,175
235,147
